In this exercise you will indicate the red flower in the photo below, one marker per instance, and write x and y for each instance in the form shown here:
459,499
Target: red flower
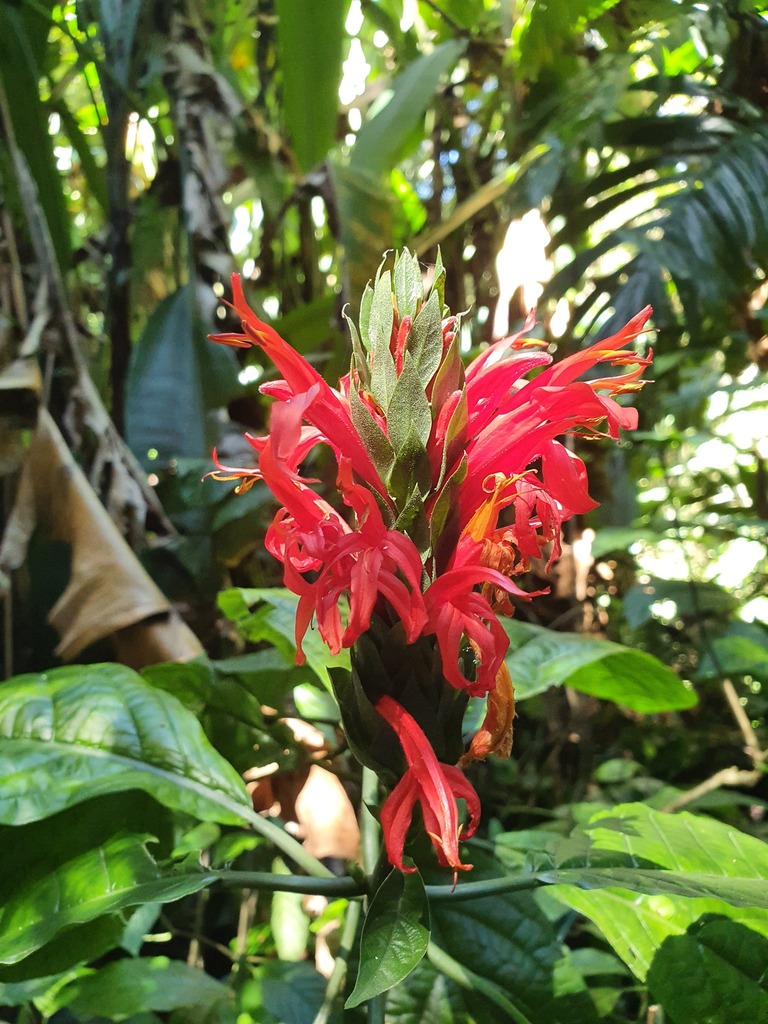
435,786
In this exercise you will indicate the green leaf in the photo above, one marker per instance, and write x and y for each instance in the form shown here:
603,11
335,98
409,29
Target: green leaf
427,997
76,732
22,55
715,972
409,415
739,892
380,141
171,359
274,623
698,853
508,940
146,984
310,40
66,949
383,375
288,920
685,599
539,658
395,936
72,869
736,655
426,339
285,993
408,287
373,437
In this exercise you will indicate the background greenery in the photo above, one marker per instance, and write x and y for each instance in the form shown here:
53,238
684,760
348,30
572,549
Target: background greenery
151,148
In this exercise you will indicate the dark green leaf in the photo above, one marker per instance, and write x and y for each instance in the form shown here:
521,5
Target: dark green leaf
539,658
129,987
395,936
22,46
78,732
507,939
715,972
291,993
171,359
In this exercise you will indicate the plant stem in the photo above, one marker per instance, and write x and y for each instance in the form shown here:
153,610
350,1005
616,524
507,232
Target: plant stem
376,1008
287,844
484,887
474,982
339,973
327,886
370,840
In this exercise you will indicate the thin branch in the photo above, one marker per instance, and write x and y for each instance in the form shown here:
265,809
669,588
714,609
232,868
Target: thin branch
328,885
725,777
751,742
339,972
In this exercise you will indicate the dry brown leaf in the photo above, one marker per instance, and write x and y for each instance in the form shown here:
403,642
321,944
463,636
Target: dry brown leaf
109,590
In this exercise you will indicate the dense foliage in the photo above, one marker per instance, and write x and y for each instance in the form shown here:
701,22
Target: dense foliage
186,831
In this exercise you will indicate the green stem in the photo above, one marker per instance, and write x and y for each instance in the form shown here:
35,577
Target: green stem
332,887
339,972
287,844
369,827
376,1009
484,887
474,982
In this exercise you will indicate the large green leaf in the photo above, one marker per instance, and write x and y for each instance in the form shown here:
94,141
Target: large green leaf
177,376
508,940
715,972
696,855
310,39
81,731
395,936
148,984
539,658
81,866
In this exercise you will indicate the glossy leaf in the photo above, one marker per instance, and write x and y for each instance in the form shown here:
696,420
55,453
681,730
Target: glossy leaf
395,936
81,731
55,895
539,658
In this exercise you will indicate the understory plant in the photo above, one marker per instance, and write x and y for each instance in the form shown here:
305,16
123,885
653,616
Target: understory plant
124,809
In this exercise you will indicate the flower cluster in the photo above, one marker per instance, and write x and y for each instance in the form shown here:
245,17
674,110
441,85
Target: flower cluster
454,478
